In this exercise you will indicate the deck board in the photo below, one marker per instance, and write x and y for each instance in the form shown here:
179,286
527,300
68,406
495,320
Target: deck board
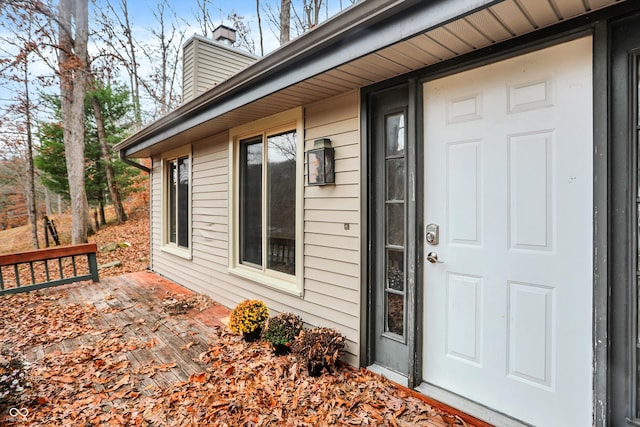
130,306
139,348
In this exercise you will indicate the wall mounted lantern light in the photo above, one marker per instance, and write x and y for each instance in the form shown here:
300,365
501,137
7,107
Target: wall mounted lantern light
320,163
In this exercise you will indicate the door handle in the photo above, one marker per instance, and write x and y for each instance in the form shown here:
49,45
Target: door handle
432,257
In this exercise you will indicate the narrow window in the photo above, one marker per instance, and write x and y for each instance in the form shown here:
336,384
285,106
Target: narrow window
281,202
178,176
395,182
251,155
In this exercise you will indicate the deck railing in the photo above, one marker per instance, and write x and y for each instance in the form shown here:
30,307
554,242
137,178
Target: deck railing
19,271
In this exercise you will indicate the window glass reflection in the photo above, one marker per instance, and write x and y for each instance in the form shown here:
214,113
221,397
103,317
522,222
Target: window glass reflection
395,136
281,202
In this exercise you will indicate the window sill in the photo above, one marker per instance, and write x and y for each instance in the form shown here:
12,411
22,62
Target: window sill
277,284
174,250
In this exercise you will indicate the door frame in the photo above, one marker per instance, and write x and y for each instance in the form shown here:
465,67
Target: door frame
612,257
413,225
623,373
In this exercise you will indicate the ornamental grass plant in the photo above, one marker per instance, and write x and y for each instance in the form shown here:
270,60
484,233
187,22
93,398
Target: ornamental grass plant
319,347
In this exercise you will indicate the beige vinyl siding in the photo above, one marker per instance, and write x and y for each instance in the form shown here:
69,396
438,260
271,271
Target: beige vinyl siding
187,73
216,64
208,63
331,253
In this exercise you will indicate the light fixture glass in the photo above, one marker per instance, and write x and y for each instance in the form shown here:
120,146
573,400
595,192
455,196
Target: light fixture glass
321,163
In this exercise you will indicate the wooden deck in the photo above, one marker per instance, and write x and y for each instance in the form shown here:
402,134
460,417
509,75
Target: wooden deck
162,346
131,306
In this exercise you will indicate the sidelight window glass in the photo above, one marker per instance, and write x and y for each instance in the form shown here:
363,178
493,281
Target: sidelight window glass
395,183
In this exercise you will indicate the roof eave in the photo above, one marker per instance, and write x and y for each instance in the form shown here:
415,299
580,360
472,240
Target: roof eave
348,26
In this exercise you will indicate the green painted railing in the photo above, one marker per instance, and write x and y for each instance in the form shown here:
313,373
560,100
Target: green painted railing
57,265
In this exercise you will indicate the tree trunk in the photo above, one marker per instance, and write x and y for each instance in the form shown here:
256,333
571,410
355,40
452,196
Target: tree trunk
95,219
47,202
260,28
103,218
121,216
285,21
31,186
135,83
73,62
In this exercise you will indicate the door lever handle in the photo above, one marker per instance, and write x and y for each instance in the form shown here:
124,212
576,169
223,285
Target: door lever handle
432,257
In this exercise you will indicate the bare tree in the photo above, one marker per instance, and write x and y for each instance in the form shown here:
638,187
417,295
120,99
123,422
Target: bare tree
243,33
18,47
117,36
309,16
73,60
31,191
14,180
285,21
203,17
164,53
260,28
294,17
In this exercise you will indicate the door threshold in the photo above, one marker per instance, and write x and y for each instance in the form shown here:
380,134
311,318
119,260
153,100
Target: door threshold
468,406
394,376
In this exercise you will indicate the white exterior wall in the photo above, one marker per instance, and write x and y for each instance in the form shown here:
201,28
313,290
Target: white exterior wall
331,253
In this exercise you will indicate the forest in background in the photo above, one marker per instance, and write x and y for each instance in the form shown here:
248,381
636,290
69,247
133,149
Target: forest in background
78,76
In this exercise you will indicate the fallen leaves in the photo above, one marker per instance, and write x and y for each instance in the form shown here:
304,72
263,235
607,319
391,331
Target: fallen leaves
36,318
134,257
93,366
181,304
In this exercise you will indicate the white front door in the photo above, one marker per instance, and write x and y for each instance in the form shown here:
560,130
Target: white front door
508,180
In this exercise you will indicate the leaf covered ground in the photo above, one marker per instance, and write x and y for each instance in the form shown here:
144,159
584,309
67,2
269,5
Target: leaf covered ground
105,361
131,239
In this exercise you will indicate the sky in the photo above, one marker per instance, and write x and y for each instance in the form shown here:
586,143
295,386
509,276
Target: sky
142,18
143,23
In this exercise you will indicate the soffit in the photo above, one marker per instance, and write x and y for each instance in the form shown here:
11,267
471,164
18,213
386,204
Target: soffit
496,23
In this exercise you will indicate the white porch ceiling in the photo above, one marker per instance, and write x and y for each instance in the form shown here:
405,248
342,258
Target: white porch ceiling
497,23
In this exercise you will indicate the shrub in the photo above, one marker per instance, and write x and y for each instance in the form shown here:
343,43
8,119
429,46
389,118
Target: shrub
248,316
282,329
13,375
319,347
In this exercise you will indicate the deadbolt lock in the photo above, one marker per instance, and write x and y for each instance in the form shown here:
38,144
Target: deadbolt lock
433,231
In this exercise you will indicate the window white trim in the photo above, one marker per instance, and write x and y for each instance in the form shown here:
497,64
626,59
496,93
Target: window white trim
166,245
285,121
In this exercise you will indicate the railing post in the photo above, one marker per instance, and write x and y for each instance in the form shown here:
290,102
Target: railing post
93,266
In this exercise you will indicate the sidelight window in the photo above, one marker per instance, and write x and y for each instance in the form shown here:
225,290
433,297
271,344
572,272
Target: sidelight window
394,292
